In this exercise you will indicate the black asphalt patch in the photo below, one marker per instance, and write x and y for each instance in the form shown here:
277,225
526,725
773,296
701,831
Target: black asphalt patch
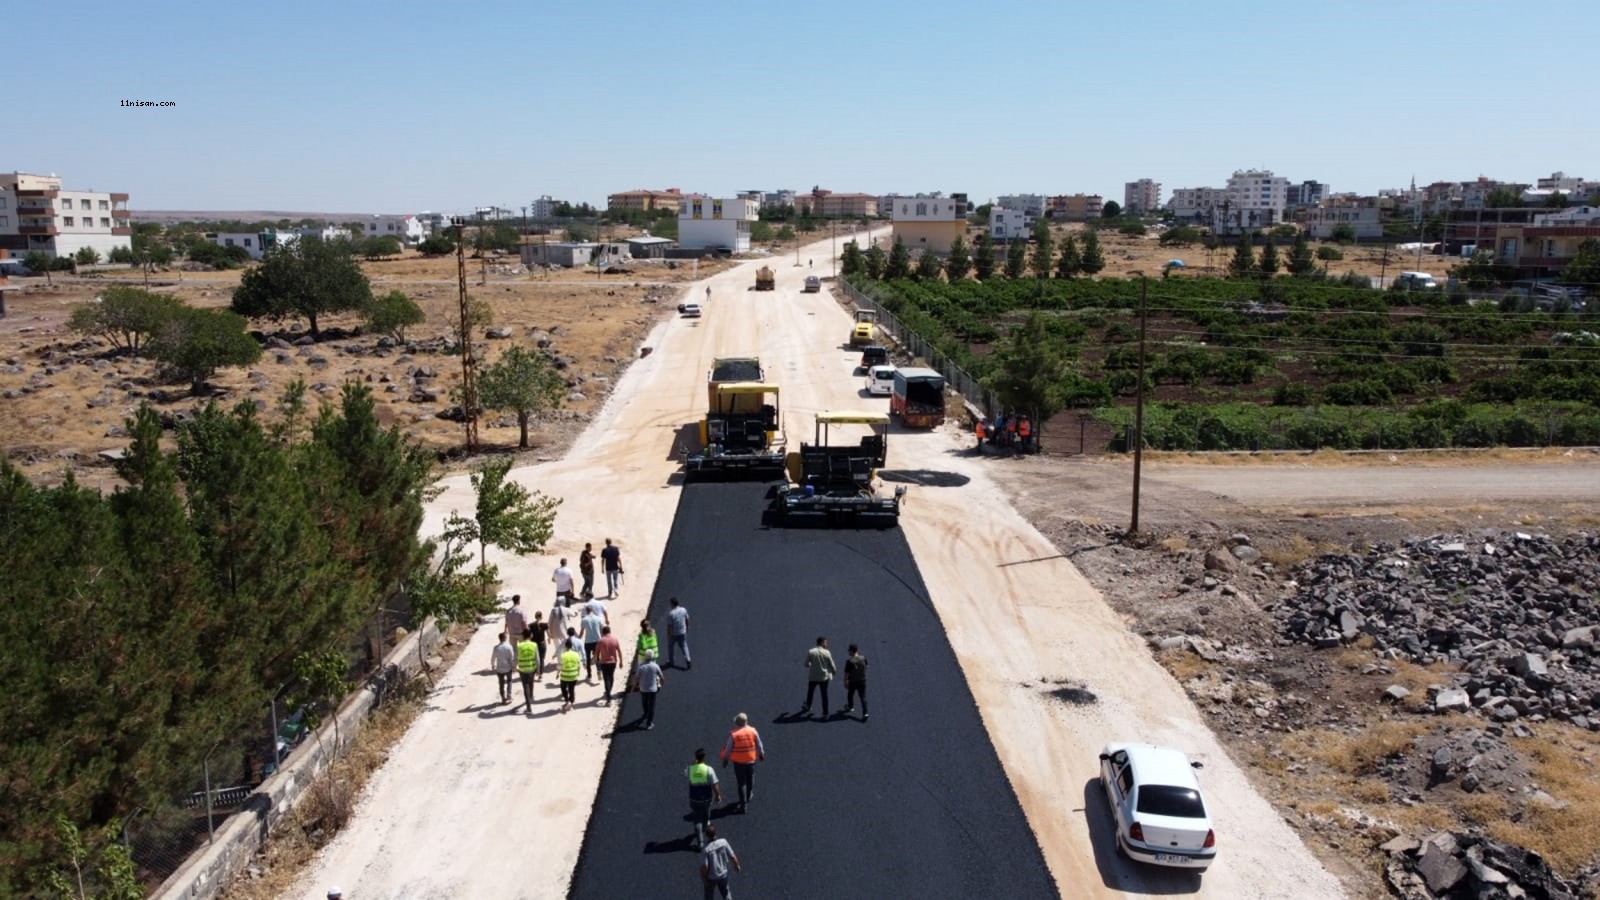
911,804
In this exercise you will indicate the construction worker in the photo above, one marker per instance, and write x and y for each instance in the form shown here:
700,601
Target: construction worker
1011,430
714,862
529,654
648,642
819,671
979,429
743,749
703,791
571,670
855,682
1025,432
503,660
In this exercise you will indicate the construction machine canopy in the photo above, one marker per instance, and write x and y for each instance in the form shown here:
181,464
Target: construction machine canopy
852,418
747,387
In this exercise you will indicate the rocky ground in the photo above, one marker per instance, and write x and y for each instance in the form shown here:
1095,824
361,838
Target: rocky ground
1417,696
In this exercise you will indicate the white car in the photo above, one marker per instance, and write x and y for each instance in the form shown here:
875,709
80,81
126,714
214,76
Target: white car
690,310
1160,814
880,380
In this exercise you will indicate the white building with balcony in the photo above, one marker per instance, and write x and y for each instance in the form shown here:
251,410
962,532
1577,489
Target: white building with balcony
409,229
1142,197
1196,204
37,214
1008,224
1256,199
709,223
1030,205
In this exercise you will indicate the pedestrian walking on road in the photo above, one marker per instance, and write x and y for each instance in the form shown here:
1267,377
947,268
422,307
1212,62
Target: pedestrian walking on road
678,634
574,641
563,580
592,624
611,558
819,671
714,862
503,660
609,654
561,619
529,657
586,569
648,642
650,679
744,749
703,791
598,607
571,668
855,682
538,632
516,618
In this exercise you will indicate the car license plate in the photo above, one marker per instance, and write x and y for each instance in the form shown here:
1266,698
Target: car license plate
1171,858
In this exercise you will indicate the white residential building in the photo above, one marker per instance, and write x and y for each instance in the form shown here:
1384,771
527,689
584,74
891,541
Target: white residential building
544,207
928,221
37,214
1584,216
1561,181
1196,204
1365,221
1256,199
1030,205
409,229
434,222
1141,197
708,223
254,243
1008,224
1306,194
777,198
326,233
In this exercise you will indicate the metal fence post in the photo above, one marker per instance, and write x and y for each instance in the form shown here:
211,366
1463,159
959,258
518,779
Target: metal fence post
211,831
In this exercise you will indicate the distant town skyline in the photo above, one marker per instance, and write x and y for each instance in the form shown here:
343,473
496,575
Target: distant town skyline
331,108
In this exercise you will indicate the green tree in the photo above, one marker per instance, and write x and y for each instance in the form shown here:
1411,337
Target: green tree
392,314
1585,266
1093,260
1071,261
1243,264
1132,228
929,266
508,515
1034,370
86,256
1328,253
381,246
195,343
1110,210
1016,259
899,261
1269,258
1503,197
1181,235
581,232
760,232
440,243
306,278
786,233
1301,261
1556,200
1478,273
959,263
1044,250
39,261
1343,233
852,262
983,256
522,382
877,262
125,316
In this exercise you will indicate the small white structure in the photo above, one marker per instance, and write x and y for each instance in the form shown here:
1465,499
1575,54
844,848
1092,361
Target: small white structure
570,254
254,243
707,223
1030,205
409,229
1007,224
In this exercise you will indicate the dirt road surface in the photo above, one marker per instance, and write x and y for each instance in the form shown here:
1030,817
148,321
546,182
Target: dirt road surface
475,802
1269,486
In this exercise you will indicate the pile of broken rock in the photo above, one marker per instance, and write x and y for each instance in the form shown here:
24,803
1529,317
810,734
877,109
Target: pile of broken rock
1450,865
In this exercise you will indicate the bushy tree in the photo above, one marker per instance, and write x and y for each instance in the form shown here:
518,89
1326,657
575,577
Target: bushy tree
39,261
959,263
508,515
126,316
876,262
929,266
206,253
440,243
1585,266
195,343
1301,262
1243,264
899,261
1092,259
1503,198
307,278
786,233
983,256
392,314
852,262
1111,209
120,255
1328,253
86,256
1181,235
1268,265
1044,250
1071,262
381,246
522,382
1034,371
1016,259
1132,228
1343,233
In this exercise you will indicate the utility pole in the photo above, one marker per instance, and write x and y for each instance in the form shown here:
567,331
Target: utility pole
469,365
1138,409
835,239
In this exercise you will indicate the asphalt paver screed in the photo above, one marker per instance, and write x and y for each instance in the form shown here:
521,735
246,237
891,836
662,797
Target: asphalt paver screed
912,803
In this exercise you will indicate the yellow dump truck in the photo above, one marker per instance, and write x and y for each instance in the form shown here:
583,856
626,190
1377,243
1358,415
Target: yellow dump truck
765,279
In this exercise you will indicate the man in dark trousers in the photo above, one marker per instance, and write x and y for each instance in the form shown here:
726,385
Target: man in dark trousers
715,861
819,671
744,749
586,569
703,791
611,557
855,682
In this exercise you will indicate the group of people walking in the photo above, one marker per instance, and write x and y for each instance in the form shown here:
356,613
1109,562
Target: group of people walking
1013,431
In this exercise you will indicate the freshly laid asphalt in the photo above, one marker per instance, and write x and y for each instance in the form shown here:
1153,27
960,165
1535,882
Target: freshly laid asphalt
912,803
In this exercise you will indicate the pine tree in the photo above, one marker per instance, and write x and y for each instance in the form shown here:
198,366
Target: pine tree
959,263
929,266
1243,264
1044,250
1269,258
1016,259
983,257
1071,262
1301,260
852,263
876,262
1093,259
899,261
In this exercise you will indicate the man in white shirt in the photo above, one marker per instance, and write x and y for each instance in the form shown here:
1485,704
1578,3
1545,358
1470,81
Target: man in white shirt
563,581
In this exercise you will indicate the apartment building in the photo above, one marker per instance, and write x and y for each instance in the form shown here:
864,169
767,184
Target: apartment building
929,222
1032,206
1075,207
409,229
777,198
434,222
1305,194
1255,199
1366,220
710,223
838,206
543,208
36,213
668,199
1567,184
1545,247
1142,197
1195,204
1008,224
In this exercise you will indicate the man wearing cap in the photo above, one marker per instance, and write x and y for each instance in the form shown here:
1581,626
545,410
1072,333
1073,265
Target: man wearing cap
744,749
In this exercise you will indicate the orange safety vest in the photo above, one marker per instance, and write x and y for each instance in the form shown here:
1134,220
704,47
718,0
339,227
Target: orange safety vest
1025,427
978,429
744,745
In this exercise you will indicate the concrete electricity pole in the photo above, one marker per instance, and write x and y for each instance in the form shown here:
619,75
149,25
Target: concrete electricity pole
469,364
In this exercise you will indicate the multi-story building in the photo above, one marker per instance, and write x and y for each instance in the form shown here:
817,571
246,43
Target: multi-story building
1575,215
1545,247
409,229
928,222
1305,194
1475,194
668,199
1030,205
1196,204
1561,181
1365,220
1008,224
1075,207
543,208
708,223
838,206
1256,199
1142,197
434,222
37,214
777,198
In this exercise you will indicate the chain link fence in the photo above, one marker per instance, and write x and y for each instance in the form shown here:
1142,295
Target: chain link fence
957,378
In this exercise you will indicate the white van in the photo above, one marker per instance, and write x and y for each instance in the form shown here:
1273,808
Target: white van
880,381
1413,281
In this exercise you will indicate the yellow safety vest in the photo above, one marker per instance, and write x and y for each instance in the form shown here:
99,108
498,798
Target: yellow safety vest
527,656
647,642
571,665
699,773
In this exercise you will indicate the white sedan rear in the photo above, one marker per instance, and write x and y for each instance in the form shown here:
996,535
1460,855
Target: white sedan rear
1160,813
880,381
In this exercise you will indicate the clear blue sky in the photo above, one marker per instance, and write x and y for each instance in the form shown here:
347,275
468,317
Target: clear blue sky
399,107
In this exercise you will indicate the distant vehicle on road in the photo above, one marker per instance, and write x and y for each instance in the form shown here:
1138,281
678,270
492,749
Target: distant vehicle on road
880,380
766,279
872,356
1412,281
813,284
690,310
1160,814
865,330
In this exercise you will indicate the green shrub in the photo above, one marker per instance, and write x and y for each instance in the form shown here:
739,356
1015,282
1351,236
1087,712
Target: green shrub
1367,392
1330,254
1292,393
